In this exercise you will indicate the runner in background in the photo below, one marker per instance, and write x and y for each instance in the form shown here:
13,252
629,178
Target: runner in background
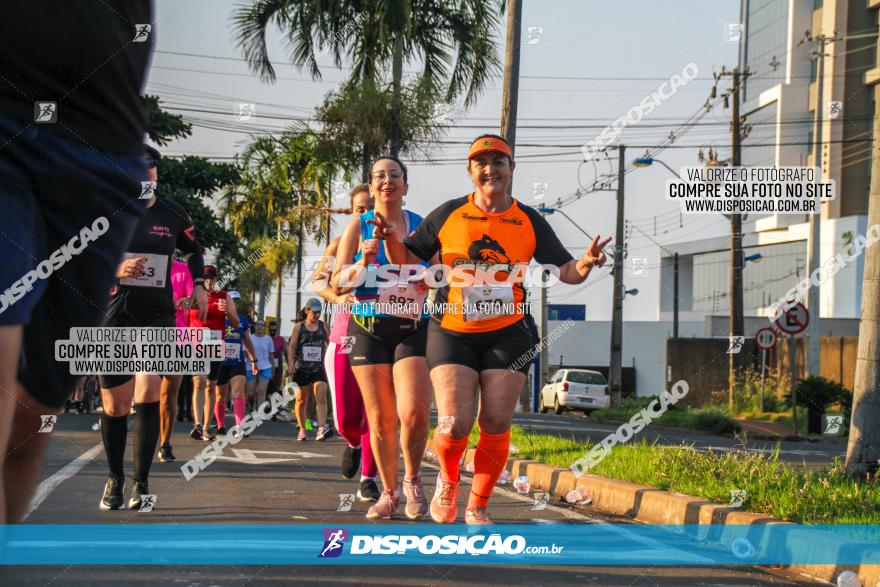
220,308
237,345
388,351
278,361
349,412
258,378
143,298
56,182
181,289
476,351
305,359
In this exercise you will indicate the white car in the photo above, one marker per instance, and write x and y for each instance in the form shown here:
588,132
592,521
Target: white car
575,389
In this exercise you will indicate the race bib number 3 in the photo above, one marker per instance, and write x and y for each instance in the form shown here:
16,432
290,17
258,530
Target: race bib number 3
311,353
155,270
485,302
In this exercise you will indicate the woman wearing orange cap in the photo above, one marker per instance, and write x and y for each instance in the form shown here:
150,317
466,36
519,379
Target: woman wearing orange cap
482,336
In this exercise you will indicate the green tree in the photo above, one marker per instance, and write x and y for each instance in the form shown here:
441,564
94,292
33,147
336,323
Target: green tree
190,181
452,40
280,178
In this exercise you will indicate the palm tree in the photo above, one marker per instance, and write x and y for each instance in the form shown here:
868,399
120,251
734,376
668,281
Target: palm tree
276,175
452,39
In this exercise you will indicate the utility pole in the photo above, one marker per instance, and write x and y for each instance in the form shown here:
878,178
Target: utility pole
863,450
675,295
543,358
615,368
813,250
510,92
299,256
736,327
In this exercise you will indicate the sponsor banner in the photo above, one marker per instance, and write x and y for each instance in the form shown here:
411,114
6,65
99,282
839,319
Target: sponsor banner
536,544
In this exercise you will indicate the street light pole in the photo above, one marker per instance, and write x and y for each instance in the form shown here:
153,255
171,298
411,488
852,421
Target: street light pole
616,355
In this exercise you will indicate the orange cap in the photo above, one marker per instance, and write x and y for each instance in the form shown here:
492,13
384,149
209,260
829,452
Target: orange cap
489,144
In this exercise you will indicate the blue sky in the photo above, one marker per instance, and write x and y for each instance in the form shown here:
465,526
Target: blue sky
610,54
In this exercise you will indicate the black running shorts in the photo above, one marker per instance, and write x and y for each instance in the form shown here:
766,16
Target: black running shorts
511,347
227,372
392,339
121,316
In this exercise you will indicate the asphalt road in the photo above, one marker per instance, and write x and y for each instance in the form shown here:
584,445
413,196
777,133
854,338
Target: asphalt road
810,454
275,480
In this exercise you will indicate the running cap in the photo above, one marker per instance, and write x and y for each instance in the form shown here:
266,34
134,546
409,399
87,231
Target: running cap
313,304
210,271
233,293
152,152
485,144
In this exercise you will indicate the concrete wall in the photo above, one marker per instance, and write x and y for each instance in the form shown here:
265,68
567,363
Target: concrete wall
644,348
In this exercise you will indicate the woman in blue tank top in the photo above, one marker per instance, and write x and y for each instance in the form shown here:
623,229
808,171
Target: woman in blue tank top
388,326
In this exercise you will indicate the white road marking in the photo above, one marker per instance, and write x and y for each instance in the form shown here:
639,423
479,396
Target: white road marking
63,474
249,457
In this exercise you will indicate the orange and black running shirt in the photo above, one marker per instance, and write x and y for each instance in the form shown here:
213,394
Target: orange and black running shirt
475,241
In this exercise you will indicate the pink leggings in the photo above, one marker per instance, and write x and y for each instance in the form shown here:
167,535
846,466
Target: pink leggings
348,407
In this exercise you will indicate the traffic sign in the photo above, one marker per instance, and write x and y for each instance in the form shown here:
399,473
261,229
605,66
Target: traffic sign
765,338
794,320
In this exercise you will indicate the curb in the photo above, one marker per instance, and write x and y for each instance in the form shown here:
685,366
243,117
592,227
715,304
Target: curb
656,506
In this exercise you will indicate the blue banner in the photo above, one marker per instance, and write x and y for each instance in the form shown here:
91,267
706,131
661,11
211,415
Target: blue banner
534,544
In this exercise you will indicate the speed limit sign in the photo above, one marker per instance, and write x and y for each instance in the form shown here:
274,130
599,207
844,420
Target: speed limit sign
765,338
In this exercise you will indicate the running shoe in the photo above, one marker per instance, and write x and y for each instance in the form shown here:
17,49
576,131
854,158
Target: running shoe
351,461
138,490
478,517
368,491
301,437
386,506
207,436
443,509
324,432
112,499
221,431
416,502
165,455
196,433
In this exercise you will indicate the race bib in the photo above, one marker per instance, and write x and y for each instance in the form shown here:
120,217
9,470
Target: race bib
275,362
402,300
311,353
233,350
482,302
155,270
